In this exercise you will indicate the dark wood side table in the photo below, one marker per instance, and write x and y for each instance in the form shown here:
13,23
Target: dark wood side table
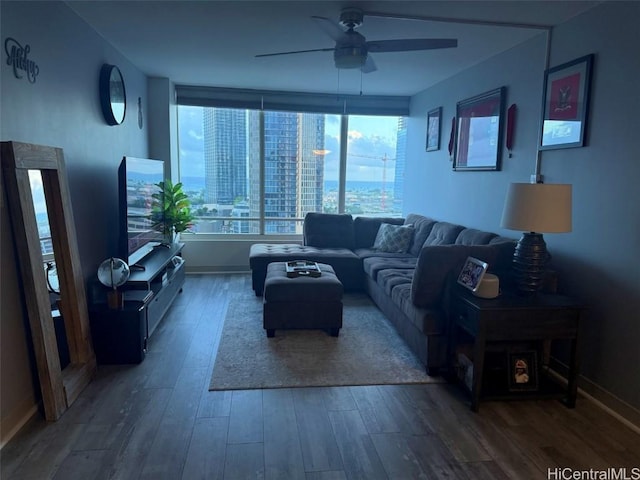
509,319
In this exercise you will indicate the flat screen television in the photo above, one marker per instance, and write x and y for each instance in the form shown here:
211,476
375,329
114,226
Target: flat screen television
139,231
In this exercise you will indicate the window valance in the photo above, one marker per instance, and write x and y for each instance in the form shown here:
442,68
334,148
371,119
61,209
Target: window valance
292,101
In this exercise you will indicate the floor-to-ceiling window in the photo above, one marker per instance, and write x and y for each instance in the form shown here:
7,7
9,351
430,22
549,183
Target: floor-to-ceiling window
375,165
261,171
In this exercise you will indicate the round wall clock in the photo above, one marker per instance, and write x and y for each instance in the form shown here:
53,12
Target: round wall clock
113,97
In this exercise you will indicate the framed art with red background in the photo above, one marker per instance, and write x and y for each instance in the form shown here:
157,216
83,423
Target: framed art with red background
566,104
479,131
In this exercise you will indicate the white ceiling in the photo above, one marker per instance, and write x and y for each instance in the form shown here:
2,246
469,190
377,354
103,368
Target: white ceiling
215,42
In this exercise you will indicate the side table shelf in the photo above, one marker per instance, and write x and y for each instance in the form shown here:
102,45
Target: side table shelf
501,331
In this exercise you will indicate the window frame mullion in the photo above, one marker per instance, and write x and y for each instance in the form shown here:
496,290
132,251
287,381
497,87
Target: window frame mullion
342,175
262,174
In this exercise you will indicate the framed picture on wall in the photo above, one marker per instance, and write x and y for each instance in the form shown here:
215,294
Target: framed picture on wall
479,131
566,104
434,118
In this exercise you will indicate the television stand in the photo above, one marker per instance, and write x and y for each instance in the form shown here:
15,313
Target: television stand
120,336
160,276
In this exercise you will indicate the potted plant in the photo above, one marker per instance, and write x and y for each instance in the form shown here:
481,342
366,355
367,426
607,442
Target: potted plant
172,210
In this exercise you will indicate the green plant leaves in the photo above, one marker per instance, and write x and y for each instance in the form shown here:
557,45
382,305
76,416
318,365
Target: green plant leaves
171,208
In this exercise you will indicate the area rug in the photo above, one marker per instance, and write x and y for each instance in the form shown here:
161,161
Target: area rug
368,351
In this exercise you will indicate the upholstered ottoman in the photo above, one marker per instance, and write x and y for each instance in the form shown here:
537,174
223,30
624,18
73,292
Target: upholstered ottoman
303,301
346,264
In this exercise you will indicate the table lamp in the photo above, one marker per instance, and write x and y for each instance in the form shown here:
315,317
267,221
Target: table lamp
535,208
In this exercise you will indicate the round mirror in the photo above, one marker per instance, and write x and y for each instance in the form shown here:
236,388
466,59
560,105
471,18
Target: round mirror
112,95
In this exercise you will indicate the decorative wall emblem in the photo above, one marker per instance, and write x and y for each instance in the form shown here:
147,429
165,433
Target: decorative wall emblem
17,57
140,124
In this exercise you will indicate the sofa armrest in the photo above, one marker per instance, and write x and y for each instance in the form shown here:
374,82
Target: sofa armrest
438,264
430,276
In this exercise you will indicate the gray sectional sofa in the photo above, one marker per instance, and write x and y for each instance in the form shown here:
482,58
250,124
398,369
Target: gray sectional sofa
412,287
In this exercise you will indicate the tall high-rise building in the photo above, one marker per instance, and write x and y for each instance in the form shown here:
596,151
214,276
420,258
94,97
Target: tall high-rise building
401,159
225,155
293,168
310,180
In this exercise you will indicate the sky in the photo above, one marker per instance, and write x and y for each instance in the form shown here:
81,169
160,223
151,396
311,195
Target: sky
37,192
371,138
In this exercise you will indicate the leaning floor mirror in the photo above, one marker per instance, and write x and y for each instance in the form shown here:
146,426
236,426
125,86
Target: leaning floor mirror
25,166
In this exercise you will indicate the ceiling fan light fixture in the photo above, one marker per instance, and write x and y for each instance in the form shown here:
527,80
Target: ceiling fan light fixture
349,57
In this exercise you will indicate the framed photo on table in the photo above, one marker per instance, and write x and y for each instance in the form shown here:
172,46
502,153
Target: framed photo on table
566,104
472,272
434,119
523,371
478,141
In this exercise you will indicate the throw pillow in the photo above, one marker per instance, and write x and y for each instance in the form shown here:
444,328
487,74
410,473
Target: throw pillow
393,238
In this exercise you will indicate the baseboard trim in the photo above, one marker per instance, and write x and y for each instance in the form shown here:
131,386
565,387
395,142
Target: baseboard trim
15,424
613,405
221,269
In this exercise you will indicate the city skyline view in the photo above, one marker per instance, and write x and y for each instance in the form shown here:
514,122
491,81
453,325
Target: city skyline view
368,135
222,167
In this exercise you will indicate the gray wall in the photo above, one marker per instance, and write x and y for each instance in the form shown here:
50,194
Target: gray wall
597,262
61,109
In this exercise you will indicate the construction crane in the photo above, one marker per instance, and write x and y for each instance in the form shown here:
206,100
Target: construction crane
385,159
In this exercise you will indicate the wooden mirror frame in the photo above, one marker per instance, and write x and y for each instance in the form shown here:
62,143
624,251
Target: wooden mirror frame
59,387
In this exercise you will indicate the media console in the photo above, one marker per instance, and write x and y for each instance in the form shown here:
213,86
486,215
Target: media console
161,276
120,336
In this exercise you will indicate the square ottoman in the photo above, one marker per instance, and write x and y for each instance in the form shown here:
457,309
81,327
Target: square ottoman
302,302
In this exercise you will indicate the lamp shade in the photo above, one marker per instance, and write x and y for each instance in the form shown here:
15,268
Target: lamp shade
538,207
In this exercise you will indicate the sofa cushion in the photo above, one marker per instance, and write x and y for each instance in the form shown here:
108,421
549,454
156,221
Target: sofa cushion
471,236
370,252
365,229
393,238
373,265
429,321
328,230
443,233
423,226
390,278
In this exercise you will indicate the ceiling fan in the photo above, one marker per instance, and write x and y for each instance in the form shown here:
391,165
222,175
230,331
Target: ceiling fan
352,49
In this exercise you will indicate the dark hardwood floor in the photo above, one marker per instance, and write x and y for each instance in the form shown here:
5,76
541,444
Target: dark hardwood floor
157,420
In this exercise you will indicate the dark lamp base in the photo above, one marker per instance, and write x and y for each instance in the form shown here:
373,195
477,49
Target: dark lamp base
529,263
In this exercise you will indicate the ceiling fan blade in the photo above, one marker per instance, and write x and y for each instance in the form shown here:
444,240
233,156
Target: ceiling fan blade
329,27
411,44
295,51
369,65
